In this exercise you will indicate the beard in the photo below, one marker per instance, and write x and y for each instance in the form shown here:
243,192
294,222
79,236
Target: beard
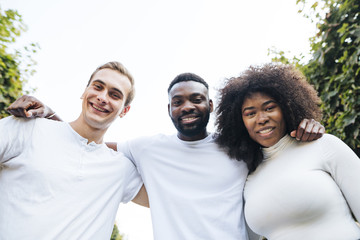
191,130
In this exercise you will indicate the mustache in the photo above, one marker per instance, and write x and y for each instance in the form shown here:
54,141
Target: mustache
193,114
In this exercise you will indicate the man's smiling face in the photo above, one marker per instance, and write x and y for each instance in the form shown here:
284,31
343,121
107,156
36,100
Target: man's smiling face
189,109
104,98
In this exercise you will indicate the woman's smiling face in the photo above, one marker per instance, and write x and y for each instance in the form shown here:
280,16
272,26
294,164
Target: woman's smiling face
263,119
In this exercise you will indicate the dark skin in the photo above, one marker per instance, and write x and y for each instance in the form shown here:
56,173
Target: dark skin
30,107
189,109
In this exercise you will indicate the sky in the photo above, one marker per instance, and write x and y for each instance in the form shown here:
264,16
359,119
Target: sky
156,40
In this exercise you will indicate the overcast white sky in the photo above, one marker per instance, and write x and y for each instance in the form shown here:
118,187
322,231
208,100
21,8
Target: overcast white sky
156,40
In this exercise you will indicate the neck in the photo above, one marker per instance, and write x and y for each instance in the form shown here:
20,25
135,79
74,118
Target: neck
86,131
193,138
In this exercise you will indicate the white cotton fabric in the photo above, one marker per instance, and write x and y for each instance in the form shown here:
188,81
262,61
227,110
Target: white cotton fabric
305,191
53,185
195,190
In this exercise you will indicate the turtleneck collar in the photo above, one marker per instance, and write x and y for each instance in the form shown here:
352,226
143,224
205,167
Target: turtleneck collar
270,152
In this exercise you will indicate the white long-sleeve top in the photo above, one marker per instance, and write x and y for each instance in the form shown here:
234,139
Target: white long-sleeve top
305,191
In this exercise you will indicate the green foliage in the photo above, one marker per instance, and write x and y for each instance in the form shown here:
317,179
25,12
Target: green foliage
14,67
334,69
115,234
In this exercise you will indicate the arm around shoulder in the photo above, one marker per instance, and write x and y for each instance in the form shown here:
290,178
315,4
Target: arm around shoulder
112,145
142,197
30,107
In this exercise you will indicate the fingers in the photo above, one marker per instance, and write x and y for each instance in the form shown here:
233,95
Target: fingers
33,113
312,133
293,134
300,130
309,130
20,103
26,106
320,132
18,112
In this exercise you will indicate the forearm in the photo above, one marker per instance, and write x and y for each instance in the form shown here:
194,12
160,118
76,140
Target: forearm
112,145
142,197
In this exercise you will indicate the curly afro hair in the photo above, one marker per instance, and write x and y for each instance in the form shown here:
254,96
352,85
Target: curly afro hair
289,88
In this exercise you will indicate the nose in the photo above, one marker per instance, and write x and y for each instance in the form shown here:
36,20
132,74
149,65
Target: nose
188,107
102,97
262,118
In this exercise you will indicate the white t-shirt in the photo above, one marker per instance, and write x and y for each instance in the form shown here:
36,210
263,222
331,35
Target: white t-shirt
305,191
195,190
53,185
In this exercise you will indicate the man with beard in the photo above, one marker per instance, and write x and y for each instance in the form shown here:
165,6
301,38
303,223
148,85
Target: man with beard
194,188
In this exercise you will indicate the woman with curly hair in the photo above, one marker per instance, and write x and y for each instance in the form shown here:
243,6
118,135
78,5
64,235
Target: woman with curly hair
295,190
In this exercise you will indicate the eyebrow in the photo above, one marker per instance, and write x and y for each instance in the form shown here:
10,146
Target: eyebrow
191,95
264,104
197,95
103,83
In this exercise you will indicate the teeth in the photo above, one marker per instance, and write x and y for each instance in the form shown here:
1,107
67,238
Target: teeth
266,130
188,119
99,109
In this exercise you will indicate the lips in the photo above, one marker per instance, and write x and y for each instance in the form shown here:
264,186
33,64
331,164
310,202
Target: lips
189,119
100,109
266,130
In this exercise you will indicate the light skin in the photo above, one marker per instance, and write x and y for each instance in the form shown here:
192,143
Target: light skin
189,108
263,119
103,101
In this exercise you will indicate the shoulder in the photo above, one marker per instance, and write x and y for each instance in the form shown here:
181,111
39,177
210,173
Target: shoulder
109,154
327,144
333,148
142,142
14,121
17,125
48,122
329,141
46,127
328,138
333,143
15,133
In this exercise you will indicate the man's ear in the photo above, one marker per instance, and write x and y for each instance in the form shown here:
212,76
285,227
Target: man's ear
211,104
169,110
124,111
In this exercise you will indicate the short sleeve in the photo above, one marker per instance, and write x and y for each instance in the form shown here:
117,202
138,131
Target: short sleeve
15,134
344,166
124,147
133,183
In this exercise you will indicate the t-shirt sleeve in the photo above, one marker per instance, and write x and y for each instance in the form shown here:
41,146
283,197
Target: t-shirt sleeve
133,183
124,147
344,166
14,135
